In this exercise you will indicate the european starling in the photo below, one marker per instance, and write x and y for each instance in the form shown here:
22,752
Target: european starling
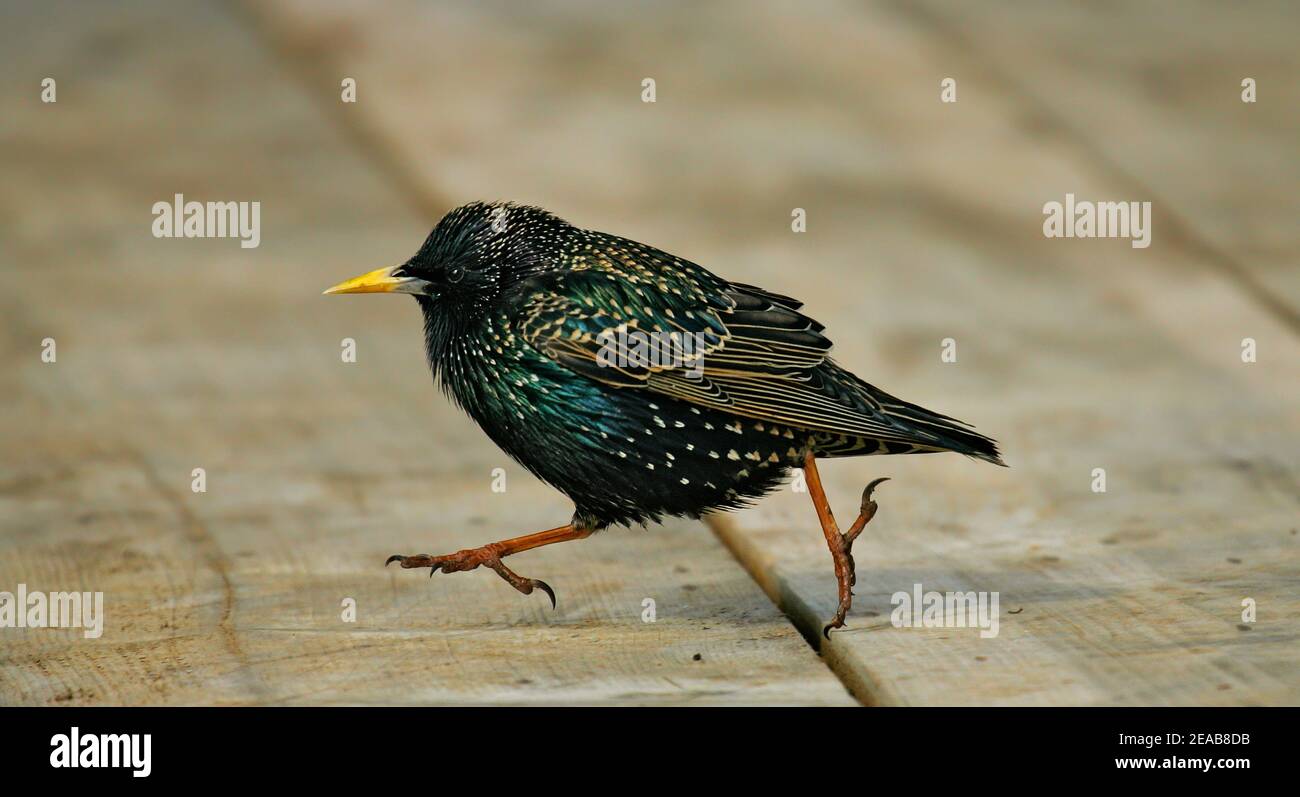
638,383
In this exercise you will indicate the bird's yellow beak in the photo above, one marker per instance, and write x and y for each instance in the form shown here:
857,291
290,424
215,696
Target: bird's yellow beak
381,280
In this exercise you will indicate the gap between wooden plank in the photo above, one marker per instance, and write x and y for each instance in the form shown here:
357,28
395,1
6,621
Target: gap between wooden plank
856,678
311,66
1152,304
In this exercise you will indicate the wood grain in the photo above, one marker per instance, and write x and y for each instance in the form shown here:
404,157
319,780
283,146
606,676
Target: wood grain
1149,94
925,223
176,354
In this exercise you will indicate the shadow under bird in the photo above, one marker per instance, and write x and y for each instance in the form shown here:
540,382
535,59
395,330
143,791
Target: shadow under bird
538,329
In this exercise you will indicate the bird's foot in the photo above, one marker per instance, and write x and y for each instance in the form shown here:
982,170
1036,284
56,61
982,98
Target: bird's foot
470,558
844,576
842,555
865,514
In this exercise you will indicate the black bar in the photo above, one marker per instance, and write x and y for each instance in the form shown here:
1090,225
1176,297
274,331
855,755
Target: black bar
536,747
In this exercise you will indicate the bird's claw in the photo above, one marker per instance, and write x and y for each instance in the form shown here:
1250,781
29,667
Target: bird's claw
544,587
845,567
867,503
838,622
470,559
415,560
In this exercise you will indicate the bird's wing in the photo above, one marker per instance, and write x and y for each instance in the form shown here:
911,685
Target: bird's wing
750,352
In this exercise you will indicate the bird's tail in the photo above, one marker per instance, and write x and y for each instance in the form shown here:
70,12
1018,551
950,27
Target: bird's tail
938,432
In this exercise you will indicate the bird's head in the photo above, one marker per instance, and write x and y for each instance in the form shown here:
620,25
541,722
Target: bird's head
474,252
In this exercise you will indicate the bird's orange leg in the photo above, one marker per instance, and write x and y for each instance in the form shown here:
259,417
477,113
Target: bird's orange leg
492,554
841,545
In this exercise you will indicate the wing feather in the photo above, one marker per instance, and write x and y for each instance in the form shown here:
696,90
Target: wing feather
758,356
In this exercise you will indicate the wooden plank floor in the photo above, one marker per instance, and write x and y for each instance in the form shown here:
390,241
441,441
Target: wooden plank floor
174,355
925,224
1222,172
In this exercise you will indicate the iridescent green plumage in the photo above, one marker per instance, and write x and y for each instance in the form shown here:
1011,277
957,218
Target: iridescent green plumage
518,323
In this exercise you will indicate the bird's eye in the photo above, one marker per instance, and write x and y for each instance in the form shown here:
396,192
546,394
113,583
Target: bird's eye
454,273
